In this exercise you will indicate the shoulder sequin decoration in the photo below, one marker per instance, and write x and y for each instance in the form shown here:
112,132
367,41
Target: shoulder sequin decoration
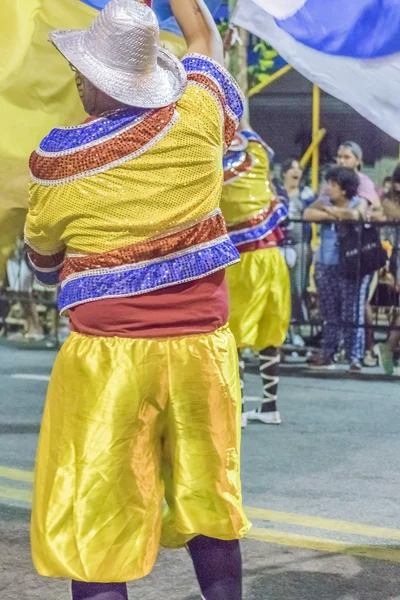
90,150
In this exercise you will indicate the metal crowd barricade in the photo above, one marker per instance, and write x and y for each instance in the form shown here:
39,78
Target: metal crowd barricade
384,290
20,289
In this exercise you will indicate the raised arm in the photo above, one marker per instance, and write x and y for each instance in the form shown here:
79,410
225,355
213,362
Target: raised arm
199,29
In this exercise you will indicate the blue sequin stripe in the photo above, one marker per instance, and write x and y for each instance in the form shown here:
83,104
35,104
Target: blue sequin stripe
62,139
259,232
196,63
233,159
252,136
146,279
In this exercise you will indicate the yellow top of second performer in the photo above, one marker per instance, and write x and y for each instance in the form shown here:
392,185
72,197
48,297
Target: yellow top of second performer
246,188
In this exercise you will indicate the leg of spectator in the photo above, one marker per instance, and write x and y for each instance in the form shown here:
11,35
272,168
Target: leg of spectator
361,332
354,300
369,333
394,337
329,286
349,318
34,328
369,317
353,319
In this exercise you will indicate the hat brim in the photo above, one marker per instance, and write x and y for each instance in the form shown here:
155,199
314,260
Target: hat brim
165,85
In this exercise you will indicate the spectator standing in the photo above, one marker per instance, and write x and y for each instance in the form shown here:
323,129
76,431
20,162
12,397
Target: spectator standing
342,301
350,155
299,238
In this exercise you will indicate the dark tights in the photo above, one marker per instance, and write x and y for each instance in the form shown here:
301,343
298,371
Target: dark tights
99,591
218,566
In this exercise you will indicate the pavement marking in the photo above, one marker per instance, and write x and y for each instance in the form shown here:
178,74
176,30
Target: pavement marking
283,538
10,493
31,377
321,523
252,512
16,474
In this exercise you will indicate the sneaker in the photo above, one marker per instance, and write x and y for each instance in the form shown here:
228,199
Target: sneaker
355,367
320,362
268,418
370,360
298,341
244,420
385,358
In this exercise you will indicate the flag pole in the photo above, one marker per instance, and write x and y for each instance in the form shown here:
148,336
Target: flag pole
316,126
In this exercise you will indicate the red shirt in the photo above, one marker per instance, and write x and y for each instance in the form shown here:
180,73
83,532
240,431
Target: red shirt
196,307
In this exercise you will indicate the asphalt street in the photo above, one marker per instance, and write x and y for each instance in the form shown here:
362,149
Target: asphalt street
322,491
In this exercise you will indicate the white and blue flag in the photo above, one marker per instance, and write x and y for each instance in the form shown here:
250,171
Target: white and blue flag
350,48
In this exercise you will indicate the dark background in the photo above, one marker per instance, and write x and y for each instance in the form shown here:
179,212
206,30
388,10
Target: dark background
282,115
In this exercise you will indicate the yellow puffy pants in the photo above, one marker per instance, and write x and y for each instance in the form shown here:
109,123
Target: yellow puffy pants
260,304
127,423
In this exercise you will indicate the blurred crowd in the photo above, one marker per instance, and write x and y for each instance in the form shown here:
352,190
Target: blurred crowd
354,295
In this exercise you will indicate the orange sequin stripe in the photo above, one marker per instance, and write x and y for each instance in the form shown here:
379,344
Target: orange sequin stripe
255,220
62,167
206,231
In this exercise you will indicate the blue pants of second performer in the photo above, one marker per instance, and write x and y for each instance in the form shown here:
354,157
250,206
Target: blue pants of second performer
342,305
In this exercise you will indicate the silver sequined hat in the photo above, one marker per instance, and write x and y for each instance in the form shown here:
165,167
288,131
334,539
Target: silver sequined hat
120,54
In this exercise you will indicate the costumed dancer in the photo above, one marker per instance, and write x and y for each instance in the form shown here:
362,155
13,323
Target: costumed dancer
144,398
259,286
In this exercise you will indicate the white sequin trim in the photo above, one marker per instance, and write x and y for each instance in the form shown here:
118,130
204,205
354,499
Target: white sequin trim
46,270
242,146
231,114
103,117
153,289
102,140
116,163
41,252
240,231
146,263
